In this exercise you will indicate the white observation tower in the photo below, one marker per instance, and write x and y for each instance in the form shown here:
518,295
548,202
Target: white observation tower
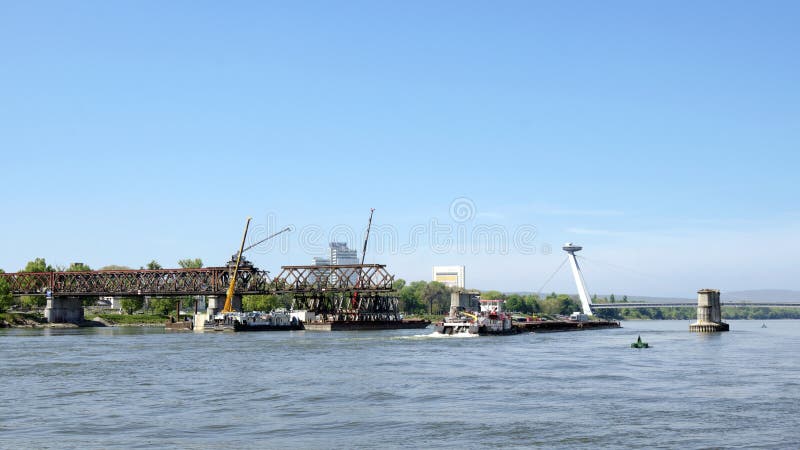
586,303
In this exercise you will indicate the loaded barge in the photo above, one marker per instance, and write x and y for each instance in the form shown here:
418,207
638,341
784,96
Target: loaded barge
357,325
492,320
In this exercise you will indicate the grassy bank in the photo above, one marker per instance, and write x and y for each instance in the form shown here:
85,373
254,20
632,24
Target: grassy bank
21,319
134,319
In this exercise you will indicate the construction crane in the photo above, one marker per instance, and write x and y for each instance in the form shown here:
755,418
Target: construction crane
363,255
229,296
366,238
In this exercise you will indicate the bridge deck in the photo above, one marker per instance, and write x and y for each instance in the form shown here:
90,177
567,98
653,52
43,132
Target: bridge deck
305,280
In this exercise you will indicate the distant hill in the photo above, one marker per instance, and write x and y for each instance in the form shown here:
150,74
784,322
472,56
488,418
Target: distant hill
762,295
756,295
631,298
645,299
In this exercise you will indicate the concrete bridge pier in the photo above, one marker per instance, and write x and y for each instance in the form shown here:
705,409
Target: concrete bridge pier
64,310
214,305
709,313
217,302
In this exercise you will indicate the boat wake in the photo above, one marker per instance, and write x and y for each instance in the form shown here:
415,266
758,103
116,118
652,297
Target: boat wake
436,335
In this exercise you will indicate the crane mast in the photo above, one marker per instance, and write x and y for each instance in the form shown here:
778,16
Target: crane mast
229,296
354,301
366,238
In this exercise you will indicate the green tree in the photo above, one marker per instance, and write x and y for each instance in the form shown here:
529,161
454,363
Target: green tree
154,265
409,296
517,303
559,304
163,305
533,305
38,265
492,295
78,267
436,296
189,263
131,304
6,299
115,267
263,302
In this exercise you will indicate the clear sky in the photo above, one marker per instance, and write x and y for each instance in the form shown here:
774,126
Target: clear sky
662,136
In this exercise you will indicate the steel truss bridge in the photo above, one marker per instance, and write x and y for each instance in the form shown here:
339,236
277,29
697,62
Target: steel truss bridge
303,281
342,292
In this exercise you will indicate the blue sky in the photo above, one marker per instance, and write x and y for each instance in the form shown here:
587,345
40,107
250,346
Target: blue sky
662,136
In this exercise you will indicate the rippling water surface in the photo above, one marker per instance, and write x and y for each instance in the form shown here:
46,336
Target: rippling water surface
139,387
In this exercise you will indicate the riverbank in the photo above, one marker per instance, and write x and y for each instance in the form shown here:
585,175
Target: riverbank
21,320
37,320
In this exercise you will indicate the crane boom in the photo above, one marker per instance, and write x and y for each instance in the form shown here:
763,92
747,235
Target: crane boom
268,238
366,238
229,297
354,301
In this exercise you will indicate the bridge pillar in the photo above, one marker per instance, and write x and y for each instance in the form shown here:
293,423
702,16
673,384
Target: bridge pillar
217,302
709,313
64,310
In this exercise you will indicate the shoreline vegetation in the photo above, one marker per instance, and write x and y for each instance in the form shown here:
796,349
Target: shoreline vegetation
425,299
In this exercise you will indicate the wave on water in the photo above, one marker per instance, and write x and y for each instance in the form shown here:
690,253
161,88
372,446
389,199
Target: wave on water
436,335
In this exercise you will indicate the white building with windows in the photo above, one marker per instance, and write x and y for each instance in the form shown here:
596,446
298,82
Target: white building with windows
450,276
342,255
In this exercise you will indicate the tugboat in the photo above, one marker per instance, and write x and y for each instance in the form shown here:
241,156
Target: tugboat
490,320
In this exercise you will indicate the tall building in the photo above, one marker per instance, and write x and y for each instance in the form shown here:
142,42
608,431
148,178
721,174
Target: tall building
450,276
341,255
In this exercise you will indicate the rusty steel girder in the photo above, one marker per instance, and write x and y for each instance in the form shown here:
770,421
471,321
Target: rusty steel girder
341,278
298,280
346,306
31,283
166,282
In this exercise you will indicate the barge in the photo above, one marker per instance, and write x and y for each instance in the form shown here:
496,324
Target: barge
492,320
260,321
253,321
358,325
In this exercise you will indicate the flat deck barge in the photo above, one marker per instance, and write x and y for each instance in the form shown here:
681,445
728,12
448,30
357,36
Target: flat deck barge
542,326
354,325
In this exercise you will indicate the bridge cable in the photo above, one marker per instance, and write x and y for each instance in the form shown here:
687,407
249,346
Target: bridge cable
615,266
539,292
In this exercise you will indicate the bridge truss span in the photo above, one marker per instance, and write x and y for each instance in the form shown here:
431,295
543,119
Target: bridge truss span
164,282
341,278
296,280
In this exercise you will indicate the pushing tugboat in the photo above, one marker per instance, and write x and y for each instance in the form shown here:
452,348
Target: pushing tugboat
490,320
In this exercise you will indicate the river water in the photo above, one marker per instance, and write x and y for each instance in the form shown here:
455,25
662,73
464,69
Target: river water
140,387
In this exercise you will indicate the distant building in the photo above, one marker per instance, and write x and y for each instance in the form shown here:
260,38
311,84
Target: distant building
342,255
450,276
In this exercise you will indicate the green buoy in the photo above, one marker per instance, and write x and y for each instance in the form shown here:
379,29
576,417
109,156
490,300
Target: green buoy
640,344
